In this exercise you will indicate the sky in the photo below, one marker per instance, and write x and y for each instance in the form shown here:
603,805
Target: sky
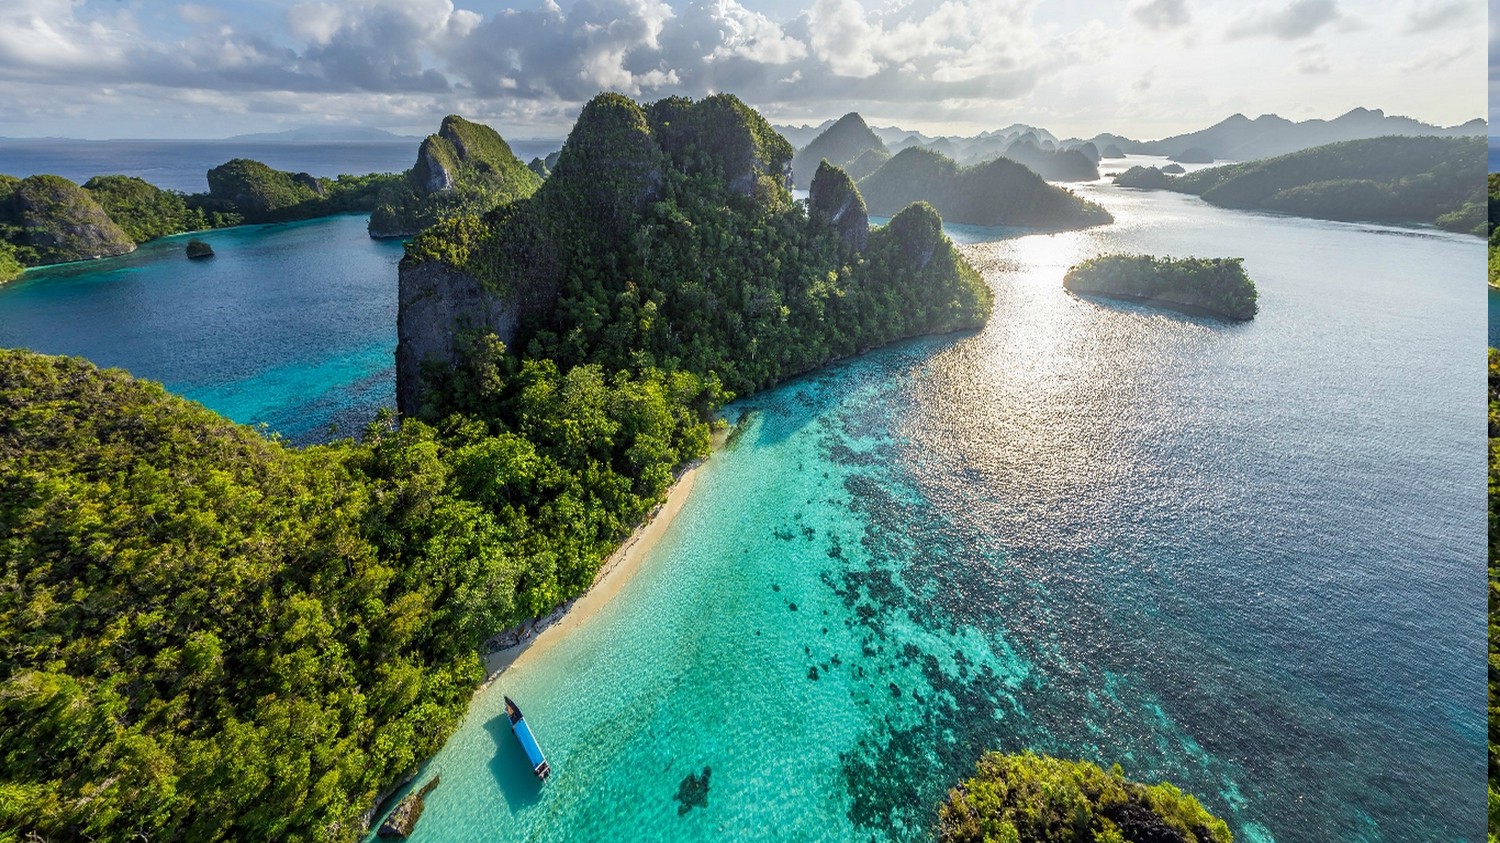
1141,68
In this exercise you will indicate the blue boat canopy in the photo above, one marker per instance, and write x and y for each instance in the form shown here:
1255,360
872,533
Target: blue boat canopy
528,743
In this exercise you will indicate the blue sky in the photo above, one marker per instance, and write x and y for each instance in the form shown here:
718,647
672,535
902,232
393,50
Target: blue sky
1144,68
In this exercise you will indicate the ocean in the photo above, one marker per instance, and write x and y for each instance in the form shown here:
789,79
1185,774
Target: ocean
1247,558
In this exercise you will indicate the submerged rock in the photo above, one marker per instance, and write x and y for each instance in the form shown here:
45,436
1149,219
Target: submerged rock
403,820
693,792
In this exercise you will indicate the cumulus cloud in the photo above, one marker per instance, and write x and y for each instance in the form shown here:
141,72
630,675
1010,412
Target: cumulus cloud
1298,19
1160,14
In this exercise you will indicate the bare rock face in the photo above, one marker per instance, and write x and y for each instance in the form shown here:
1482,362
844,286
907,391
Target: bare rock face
432,173
63,222
834,201
435,303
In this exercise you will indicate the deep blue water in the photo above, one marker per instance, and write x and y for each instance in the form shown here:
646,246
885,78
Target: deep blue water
292,325
183,164
1494,155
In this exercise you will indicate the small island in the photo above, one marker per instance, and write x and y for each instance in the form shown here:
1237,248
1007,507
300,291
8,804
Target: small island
1040,799
1206,286
198,250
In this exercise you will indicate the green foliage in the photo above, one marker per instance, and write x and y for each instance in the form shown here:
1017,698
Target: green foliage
1039,799
464,169
246,191
998,192
1389,179
144,210
10,266
1218,286
208,636
708,266
48,219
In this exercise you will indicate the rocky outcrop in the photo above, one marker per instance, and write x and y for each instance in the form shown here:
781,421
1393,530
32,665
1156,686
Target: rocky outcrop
835,202
60,221
198,250
465,168
1174,169
402,821
435,303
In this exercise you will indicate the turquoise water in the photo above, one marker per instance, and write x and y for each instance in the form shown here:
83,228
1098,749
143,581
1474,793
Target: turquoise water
1247,558
290,325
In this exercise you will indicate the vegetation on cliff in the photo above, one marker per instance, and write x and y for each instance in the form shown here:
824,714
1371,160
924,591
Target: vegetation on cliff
998,192
1390,179
1216,286
143,210
1143,178
48,219
466,168
666,237
205,635
1038,799
246,191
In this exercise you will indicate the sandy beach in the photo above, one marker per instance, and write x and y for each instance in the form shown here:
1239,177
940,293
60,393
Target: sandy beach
613,574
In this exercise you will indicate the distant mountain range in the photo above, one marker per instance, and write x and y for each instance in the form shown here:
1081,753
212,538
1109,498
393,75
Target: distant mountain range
324,134
1236,138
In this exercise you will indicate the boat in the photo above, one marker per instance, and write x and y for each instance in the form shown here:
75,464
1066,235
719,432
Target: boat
534,754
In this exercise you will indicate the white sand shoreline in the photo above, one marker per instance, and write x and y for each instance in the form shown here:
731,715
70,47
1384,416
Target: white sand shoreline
618,569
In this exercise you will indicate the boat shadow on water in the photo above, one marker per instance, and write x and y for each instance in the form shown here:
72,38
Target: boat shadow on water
512,770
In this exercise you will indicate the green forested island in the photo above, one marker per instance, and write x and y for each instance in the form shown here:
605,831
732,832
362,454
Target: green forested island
1032,798
1215,286
995,193
1431,180
216,637
666,236
466,168
48,219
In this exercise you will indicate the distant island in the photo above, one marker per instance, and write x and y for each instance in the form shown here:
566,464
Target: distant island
847,141
1428,180
1031,798
465,168
1236,138
1210,286
997,193
324,134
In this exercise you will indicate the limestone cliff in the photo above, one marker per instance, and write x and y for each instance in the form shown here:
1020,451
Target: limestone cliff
835,201
57,221
435,303
464,168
